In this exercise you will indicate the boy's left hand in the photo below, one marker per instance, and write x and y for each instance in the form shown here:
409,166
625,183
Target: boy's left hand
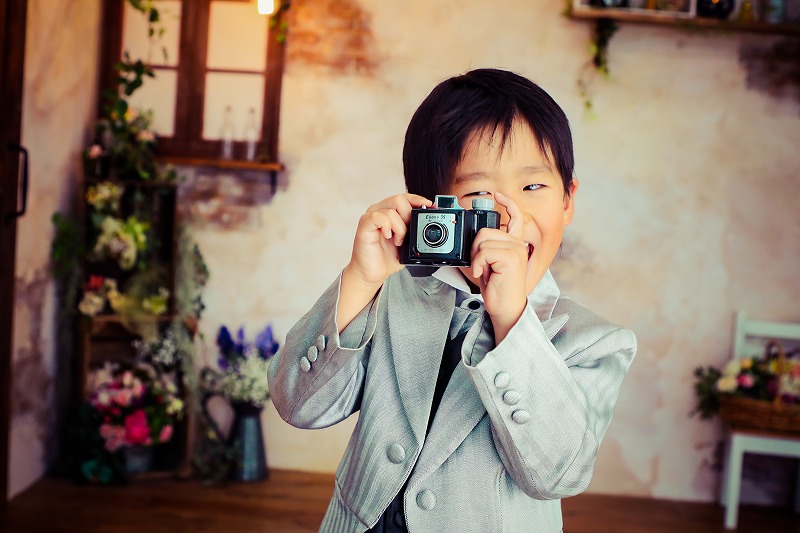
500,267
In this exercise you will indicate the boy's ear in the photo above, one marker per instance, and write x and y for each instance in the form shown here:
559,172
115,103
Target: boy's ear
569,202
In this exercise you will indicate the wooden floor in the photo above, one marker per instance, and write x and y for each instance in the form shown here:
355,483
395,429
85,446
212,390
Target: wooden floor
292,502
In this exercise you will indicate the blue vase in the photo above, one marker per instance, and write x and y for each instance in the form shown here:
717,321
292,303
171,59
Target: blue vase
247,441
138,459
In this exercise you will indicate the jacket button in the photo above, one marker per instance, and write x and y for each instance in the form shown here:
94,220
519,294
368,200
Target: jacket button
501,380
305,364
512,397
321,343
312,353
426,500
396,453
520,416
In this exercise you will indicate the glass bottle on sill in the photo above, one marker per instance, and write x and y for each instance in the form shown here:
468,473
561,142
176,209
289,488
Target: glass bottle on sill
251,135
226,134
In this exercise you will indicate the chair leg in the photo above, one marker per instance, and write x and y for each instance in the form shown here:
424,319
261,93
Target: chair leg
733,481
797,491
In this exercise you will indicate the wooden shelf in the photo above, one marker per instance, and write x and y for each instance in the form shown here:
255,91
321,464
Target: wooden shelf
641,16
230,164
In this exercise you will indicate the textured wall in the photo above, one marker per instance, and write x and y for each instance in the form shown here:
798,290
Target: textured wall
686,211
58,108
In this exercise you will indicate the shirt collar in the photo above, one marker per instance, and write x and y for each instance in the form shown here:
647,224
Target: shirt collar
543,298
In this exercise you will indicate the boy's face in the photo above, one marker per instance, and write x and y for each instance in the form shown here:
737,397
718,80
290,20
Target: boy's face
522,172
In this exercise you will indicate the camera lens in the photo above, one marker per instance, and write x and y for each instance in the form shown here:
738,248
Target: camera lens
434,234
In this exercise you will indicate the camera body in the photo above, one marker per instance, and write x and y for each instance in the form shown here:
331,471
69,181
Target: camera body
443,234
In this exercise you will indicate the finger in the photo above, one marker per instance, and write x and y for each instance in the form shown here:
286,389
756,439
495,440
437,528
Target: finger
402,203
399,227
380,221
516,218
500,255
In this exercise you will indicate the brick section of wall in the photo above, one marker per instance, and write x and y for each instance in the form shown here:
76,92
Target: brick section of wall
334,34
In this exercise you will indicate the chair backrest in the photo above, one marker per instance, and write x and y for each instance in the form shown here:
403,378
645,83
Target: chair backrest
751,336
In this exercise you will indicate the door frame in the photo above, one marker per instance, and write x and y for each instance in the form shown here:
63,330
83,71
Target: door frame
13,17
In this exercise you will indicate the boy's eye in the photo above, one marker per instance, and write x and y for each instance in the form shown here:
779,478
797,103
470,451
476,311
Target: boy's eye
478,193
532,187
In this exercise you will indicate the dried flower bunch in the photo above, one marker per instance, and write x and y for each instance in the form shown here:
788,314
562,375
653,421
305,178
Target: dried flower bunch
122,241
100,292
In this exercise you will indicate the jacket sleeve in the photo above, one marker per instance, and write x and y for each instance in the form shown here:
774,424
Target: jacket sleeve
550,410
315,379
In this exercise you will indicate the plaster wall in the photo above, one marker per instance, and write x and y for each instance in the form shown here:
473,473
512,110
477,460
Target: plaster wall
59,105
686,210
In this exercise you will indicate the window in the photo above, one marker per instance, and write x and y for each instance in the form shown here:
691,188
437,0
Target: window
219,54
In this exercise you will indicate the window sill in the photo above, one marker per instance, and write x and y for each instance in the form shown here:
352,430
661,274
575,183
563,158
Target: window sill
225,164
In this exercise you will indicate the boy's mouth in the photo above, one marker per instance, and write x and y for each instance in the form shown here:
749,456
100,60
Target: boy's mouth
530,250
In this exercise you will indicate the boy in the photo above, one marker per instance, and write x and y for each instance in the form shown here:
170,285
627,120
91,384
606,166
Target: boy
482,395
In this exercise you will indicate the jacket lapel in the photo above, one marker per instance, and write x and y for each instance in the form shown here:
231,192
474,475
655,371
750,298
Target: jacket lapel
460,411
419,320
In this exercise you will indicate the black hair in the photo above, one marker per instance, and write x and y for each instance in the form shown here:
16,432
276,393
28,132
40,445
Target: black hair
481,99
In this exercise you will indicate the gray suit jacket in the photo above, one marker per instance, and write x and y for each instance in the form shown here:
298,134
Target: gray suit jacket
518,426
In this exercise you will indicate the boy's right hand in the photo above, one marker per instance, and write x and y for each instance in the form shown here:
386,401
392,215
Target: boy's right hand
381,230
375,257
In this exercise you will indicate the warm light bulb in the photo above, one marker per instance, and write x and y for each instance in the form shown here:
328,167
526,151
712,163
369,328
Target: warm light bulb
266,7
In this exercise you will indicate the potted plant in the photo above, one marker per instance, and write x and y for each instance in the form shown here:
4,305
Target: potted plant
241,379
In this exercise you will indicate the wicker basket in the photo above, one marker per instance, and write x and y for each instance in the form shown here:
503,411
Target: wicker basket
746,413
771,416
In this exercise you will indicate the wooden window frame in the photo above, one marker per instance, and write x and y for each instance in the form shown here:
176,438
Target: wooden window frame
187,141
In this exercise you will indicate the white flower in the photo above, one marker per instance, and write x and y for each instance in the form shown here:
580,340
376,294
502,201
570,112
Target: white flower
733,367
91,304
247,382
727,383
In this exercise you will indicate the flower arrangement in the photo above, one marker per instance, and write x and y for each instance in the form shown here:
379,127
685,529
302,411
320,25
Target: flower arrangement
243,365
122,241
135,406
104,196
760,378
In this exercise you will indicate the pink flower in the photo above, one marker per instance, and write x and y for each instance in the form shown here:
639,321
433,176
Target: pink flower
166,433
137,430
114,436
123,397
94,151
746,381
137,388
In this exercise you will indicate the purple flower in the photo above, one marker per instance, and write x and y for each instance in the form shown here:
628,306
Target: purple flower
240,342
266,344
224,340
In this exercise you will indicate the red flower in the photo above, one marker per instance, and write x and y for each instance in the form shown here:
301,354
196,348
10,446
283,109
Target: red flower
95,283
136,429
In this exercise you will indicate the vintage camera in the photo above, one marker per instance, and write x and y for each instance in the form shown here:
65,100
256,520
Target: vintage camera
443,234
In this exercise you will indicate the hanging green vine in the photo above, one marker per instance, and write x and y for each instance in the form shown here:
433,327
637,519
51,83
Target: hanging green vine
604,30
278,20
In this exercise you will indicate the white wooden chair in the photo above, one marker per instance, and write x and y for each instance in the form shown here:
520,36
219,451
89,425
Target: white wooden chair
749,339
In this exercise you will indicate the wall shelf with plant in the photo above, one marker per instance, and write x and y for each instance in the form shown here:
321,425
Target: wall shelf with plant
652,17
759,17
131,277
